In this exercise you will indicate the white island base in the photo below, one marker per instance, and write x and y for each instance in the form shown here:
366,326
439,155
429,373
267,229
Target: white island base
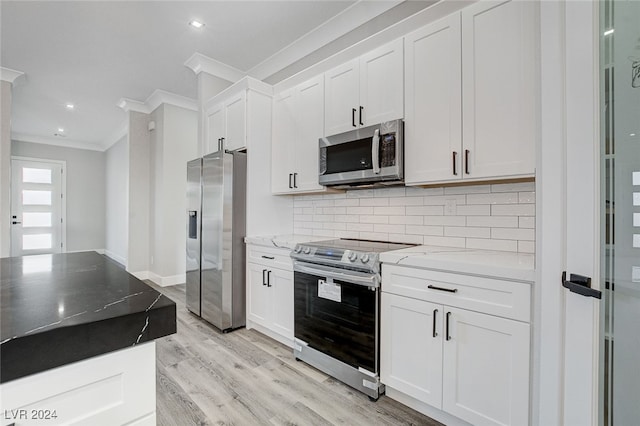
117,388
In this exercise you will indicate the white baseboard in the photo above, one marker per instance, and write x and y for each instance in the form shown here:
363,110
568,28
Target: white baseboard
166,281
120,259
141,275
426,409
99,251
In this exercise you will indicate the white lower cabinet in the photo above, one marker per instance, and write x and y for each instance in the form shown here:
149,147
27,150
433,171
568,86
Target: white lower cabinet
471,365
270,293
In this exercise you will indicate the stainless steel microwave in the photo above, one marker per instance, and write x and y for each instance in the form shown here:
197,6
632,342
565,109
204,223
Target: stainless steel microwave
366,156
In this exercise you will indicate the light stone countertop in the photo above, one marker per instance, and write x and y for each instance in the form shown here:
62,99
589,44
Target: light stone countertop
498,264
283,241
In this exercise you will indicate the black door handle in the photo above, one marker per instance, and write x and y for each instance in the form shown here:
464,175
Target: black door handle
455,172
450,290
290,175
264,277
295,176
361,109
448,337
580,284
353,117
466,161
268,278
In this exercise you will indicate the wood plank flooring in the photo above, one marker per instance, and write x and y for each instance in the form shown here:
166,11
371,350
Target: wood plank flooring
205,377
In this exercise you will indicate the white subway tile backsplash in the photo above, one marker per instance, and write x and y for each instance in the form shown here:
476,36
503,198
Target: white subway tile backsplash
406,201
359,210
406,220
526,222
493,198
445,220
472,189
513,234
513,187
477,210
466,231
513,210
494,217
395,210
374,201
425,230
374,219
490,244
493,221
444,241
425,210
392,229
526,246
347,202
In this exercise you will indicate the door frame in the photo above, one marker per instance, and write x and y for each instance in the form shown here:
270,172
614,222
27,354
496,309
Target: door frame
63,189
569,42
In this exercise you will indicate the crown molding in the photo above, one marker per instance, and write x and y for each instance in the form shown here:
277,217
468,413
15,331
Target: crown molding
157,98
120,132
132,105
9,75
20,137
200,63
349,19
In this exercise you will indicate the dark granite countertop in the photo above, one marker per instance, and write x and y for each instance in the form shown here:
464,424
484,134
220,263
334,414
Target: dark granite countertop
62,308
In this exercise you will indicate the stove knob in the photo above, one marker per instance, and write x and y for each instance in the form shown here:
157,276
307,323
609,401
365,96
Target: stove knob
353,256
307,250
298,249
364,258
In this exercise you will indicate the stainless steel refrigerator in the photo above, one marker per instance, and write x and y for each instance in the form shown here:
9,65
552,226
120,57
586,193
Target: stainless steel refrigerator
216,206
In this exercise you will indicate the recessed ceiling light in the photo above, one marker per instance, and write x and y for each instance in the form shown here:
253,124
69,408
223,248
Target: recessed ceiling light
70,106
60,130
609,32
196,24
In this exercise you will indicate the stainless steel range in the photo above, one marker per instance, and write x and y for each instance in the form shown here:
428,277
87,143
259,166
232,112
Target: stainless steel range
337,309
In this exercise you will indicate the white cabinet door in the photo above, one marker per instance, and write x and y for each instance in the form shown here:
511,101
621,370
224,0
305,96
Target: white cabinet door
485,368
381,85
215,127
258,300
341,98
411,347
433,121
280,287
236,123
310,123
283,142
498,86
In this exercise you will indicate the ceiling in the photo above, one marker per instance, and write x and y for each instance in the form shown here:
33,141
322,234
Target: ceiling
93,53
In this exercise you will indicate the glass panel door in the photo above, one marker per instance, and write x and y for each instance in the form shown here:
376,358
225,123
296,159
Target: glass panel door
36,207
620,212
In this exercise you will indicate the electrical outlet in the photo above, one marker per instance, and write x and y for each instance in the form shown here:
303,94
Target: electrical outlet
450,207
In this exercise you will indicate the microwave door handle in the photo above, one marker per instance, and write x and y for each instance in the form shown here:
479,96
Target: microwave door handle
375,151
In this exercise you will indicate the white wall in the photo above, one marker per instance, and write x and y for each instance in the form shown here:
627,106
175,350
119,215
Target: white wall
85,191
117,200
5,167
138,218
173,142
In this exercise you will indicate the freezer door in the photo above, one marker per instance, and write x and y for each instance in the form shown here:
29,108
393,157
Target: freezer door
213,212
193,223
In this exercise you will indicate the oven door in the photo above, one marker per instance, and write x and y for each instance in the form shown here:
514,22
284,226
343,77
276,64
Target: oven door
336,312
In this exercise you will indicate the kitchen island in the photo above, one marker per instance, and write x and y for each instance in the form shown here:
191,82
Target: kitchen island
77,340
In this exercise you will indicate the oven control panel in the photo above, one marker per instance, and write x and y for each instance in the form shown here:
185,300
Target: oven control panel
336,256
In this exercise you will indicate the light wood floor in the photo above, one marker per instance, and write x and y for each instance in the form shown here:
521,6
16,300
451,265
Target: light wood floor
205,377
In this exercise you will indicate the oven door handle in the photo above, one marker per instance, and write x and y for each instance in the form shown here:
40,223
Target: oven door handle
351,277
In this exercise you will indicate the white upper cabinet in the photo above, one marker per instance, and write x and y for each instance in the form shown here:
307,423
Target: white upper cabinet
298,124
433,126
365,91
498,88
470,95
227,116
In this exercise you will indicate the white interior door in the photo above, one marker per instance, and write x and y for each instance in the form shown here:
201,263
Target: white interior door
37,206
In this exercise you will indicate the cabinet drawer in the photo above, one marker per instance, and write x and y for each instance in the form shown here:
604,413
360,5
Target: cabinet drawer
270,256
492,296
